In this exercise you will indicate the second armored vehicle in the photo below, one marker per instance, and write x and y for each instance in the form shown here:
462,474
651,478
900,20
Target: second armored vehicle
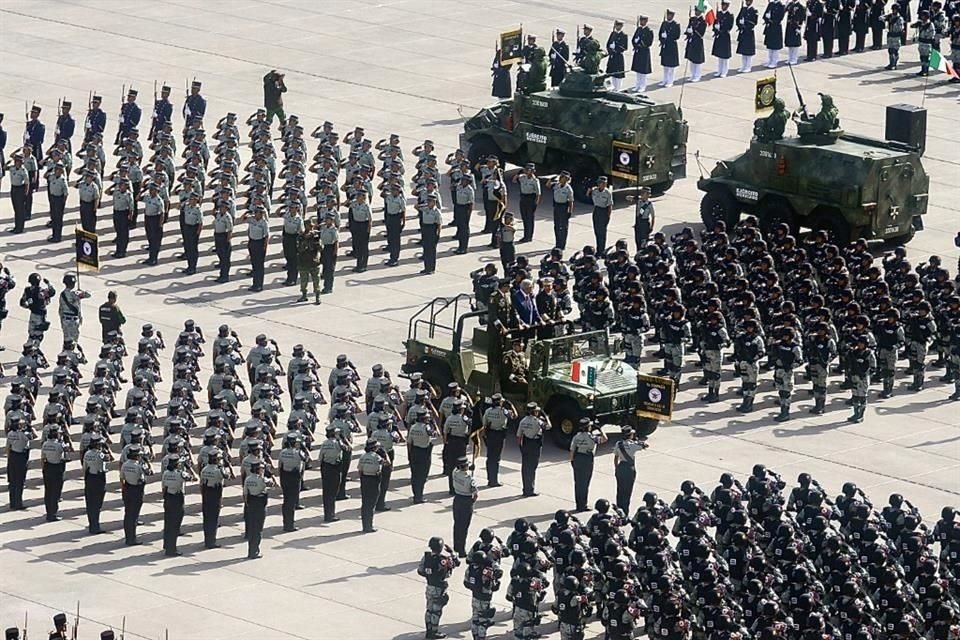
584,129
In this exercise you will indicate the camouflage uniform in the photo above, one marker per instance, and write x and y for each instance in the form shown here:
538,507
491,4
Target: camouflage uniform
714,338
786,357
748,350
676,333
889,338
862,362
820,352
919,332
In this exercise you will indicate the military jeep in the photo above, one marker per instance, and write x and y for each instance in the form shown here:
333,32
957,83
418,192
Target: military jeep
448,342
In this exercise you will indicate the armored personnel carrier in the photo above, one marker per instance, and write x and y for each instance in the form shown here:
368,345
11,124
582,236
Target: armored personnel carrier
584,129
825,178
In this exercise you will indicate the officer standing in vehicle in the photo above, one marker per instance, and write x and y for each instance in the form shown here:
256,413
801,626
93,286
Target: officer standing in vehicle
530,438
211,494
369,466
464,495
255,497
495,422
172,483
583,450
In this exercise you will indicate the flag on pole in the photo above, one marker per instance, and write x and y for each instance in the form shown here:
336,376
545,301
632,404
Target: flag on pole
940,63
703,6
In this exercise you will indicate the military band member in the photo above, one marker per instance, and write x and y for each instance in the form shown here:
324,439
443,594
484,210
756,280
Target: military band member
668,36
747,19
722,49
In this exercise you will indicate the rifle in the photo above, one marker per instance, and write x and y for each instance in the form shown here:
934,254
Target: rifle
803,107
76,623
123,628
24,625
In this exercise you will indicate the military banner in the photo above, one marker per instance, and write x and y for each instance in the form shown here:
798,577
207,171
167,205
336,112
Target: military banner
625,160
511,46
88,250
654,397
766,93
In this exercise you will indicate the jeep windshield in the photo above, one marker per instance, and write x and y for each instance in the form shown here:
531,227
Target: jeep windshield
593,344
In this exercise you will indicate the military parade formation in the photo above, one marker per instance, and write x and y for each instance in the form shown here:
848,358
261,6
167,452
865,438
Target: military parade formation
787,30
756,314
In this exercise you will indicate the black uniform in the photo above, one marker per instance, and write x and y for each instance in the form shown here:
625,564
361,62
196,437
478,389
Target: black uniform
559,55
747,19
616,45
696,29
642,41
721,35
773,26
669,50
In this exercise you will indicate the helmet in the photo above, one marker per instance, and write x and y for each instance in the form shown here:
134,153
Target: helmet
687,487
896,500
804,480
436,544
759,471
571,583
849,489
726,479
602,505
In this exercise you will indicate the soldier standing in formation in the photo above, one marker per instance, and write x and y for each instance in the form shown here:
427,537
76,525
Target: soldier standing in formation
330,457
94,463
495,422
255,497
896,28
583,450
308,261
530,438
172,483
773,31
793,32
694,49
668,36
563,199
464,495
291,463
529,198
53,456
616,47
370,465
747,19
69,311
559,58
722,43
132,480
642,41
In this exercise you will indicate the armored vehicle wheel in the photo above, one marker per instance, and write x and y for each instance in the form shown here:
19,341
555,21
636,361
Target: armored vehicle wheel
772,211
719,206
565,417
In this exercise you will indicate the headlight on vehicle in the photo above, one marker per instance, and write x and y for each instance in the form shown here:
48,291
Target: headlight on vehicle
615,403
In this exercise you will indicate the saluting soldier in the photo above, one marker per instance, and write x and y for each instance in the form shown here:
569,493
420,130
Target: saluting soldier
172,484
464,495
530,438
563,199
896,28
861,361
625,466
369,466
94,464
431,221
19,435
747,19
616,46
255,496
192,224
495,422
258,235
53,458
602,198
19,190
132,480
70,316
722,49
421,437
291,463
293,227
583,450
211,494
926,39
669,50
786,356
89,192
529,198
436,566
154,214
559,58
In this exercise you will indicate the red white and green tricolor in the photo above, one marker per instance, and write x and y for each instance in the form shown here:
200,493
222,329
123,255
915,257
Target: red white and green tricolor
708,13
940,63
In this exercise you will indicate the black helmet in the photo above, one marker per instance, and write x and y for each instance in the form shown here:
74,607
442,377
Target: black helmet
759,471
436,544
687,487
726,479
571,583
602,505
896,500
849,489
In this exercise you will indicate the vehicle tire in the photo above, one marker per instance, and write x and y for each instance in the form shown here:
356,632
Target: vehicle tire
584,177
718,205
439,376
565,417
481,147
773,211
832,220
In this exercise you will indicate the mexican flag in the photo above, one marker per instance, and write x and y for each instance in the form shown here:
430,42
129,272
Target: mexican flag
703,6
939,63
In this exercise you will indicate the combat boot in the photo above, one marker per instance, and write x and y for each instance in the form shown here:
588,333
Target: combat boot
316,296
887,388
784,414
858,408
303,297
950,376
956,393
746,406
819,405
917,381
